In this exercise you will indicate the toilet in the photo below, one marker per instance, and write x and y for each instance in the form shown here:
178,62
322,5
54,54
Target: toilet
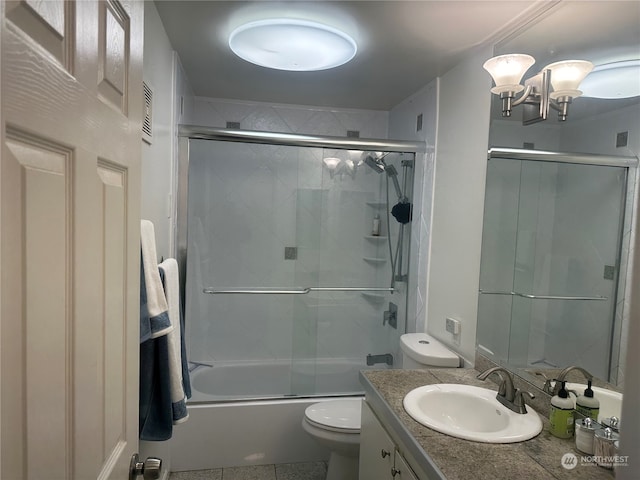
335,424
422,351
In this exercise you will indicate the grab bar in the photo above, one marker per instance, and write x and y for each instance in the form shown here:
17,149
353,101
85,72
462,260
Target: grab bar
297,291
543,297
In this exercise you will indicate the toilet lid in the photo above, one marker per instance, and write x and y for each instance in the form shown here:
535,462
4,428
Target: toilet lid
338,414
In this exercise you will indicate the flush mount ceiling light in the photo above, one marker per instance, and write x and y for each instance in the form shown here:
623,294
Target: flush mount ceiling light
294,45
554,87
613,80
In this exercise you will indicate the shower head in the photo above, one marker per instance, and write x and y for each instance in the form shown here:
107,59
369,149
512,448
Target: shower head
376,165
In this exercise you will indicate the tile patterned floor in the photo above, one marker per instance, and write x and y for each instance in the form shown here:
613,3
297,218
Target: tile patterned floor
284,471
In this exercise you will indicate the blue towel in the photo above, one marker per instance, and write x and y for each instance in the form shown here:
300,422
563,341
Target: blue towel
156,418
155,410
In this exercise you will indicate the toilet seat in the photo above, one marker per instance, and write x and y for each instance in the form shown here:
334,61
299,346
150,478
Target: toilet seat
341,416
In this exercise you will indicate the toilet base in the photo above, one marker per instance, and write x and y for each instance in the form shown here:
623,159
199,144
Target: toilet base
342,467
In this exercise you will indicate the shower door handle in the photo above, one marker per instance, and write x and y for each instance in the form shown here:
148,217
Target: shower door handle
296,291
268,291
543,297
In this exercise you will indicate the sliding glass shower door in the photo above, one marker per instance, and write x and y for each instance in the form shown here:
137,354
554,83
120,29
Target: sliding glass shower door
550,263
282,267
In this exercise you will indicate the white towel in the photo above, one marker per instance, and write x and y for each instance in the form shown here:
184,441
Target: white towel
156,301
172,291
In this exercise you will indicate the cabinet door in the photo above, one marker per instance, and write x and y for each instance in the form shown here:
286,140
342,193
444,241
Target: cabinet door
401,470
376,448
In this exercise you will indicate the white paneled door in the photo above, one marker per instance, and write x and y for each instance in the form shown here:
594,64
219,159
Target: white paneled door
71,88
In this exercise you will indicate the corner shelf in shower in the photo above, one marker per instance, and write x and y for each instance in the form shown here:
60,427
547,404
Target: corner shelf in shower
375,237
377,204
374,260
373,297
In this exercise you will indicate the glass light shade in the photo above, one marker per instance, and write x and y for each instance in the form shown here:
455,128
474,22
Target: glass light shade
331,163
294,45
566,77
356,157
507,71
613,80
350,166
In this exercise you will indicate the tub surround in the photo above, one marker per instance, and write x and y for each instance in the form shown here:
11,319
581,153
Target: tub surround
440,456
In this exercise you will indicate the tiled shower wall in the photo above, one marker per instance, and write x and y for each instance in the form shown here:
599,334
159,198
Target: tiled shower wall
272,338
290,118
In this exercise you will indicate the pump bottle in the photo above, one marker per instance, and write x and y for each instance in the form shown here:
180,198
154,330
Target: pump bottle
587,404
561,416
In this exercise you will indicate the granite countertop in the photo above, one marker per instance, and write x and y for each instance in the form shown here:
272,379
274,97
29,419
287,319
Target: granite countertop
452,458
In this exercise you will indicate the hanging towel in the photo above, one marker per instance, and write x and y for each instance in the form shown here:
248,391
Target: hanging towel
156,301
156,419
145,322
169,273
186,380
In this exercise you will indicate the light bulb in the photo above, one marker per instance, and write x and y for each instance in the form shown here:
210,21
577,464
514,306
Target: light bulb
507,71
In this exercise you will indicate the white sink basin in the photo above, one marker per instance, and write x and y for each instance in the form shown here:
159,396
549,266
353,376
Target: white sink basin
610,401
471,413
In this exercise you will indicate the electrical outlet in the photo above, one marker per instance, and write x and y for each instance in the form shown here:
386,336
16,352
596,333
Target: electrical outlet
453,326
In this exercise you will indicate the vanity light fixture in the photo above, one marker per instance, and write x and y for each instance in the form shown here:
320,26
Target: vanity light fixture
292,44
554,87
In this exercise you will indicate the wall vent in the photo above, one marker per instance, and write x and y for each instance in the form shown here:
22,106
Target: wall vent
233,125
622,139
353,133
147,120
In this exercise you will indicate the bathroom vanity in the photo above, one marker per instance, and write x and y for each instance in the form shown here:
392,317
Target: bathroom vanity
392,442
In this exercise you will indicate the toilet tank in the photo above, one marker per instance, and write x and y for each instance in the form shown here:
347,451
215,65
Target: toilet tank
420,350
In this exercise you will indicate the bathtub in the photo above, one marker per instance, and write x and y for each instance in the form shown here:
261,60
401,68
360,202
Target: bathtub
228,426
279,378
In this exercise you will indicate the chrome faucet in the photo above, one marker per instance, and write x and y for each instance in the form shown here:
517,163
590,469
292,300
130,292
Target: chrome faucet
547,388
562,375
509,396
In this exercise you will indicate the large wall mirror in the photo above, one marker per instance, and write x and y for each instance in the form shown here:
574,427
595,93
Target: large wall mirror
553,283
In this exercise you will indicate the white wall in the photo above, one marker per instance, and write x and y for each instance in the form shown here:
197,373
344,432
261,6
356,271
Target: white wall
157,157
511,134
460,169
163,73
403,126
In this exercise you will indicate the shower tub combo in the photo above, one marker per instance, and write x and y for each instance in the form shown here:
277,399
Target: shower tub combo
288,291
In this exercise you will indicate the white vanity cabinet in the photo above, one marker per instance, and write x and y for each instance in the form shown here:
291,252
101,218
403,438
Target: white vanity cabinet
379,455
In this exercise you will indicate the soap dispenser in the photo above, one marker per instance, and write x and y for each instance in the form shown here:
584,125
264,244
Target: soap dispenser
587,404
561,416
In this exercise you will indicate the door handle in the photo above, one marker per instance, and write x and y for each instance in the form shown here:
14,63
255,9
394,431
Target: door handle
149,469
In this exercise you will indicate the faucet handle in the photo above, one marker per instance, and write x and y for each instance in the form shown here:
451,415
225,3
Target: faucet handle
519,401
